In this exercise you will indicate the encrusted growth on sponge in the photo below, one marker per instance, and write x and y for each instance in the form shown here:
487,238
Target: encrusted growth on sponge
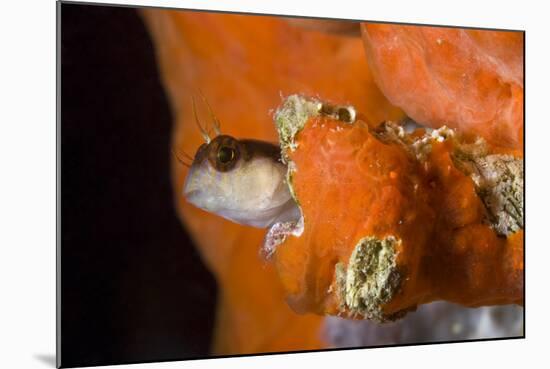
370,279
292,116
418,147
499,183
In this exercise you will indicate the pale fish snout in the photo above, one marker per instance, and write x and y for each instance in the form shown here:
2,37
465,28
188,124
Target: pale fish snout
199,192
191,189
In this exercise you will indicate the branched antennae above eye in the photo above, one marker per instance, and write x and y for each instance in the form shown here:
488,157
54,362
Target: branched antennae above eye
181,155
215,120
203,131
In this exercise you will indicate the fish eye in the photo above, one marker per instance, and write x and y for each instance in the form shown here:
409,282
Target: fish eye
226,154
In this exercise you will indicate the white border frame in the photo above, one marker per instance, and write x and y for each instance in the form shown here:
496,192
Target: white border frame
27,196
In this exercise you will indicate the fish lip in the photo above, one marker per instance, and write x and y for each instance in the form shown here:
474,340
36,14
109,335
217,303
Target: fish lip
192,193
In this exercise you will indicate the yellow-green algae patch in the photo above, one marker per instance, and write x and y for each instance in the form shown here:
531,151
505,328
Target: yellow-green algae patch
371,278
498,180
291,118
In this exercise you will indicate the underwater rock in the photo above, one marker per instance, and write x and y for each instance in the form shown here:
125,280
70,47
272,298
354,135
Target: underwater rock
393,220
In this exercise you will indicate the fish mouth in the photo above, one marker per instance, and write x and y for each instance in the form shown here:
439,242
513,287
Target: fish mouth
200,199
191,190
192,195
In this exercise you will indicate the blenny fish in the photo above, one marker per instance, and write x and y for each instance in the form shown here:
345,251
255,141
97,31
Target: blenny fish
242,180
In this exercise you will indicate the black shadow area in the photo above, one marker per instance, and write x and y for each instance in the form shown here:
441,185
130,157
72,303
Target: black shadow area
133,287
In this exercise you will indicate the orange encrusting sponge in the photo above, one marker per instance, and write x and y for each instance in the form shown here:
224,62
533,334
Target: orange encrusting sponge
389,225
